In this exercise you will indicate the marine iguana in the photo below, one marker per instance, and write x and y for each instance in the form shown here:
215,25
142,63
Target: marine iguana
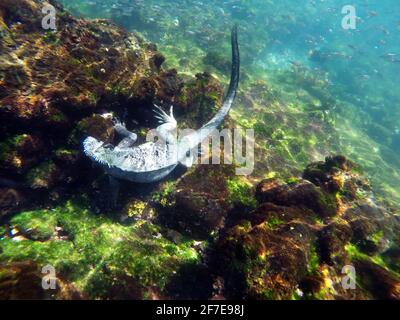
152,161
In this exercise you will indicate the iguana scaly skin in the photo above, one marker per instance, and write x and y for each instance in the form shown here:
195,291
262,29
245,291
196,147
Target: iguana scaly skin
152,161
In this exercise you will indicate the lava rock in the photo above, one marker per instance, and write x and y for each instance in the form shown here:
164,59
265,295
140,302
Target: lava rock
194,209
11,200
382,283
302,193
260,263
21,281
373,227
331,243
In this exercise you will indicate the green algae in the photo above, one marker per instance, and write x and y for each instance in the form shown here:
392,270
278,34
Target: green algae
355,254
240,191
51,37
164,197
313,260
274,222
3,231
40,224
4,150
94,243
40,176
377,237
59,153
10,145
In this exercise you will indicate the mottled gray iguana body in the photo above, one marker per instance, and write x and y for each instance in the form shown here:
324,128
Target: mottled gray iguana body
152,161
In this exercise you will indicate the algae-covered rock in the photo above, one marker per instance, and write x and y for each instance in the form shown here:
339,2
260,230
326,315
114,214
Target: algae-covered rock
95,126
382,283
194,209
287,248
331,242
392,258
302,193
199,99
11,200
45,176
261,263
35,225
374,228
21,152
100,258
21,281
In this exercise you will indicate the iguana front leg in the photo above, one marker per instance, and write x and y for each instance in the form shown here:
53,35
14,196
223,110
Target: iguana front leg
129,138
167,130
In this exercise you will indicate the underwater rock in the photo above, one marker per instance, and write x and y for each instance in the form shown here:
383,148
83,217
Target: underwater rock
374,228
143,92
260,263
120,287
392,258
188,277
95,126
193,208
383,284
301,193
279,214
45,176
331,243
169,85
197,214
328,174
19,153
11,200
294,240
199,98
21,281
338,175
156,61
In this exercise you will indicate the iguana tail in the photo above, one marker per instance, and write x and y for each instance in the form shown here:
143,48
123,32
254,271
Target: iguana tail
230,97
192,140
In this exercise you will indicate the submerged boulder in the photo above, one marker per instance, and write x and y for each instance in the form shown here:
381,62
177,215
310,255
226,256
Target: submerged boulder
23,281
295,244
193,208
383,284
301,193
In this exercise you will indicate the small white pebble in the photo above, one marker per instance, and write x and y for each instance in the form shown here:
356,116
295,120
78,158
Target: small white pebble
299,292
18,239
